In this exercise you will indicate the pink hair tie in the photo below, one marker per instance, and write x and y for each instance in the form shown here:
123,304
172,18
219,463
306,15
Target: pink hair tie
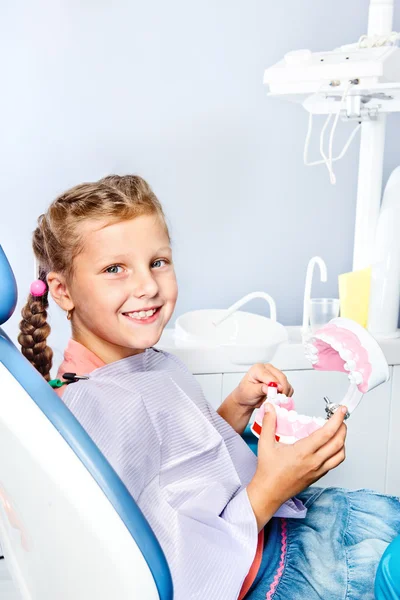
38,288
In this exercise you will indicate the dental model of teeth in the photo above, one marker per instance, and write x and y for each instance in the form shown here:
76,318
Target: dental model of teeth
341,345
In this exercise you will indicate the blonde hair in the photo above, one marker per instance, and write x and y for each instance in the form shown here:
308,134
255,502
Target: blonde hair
57,241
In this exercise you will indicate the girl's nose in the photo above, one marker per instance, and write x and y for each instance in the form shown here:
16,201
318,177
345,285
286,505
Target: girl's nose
144,285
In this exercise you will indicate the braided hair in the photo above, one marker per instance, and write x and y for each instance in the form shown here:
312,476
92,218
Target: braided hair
34,331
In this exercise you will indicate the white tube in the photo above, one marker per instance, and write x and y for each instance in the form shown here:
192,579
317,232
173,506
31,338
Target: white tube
244,300
380,17
369,190
316,260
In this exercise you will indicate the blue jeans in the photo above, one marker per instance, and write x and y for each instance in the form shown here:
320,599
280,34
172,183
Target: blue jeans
333,553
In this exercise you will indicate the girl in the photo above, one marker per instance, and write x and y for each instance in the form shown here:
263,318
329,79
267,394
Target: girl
230,526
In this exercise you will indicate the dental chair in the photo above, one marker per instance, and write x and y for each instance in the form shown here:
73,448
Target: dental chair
69,529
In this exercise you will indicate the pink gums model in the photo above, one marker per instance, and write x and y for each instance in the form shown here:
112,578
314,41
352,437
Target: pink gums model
341,345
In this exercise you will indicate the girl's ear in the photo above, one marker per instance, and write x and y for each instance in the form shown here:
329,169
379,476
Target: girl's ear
59,290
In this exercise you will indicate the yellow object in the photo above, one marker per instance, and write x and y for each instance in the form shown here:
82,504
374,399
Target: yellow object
354,295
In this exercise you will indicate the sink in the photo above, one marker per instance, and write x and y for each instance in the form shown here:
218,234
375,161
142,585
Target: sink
245,338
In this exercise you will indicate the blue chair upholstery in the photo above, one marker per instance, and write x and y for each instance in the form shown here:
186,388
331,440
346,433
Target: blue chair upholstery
8,289
387,582
83,446
250,439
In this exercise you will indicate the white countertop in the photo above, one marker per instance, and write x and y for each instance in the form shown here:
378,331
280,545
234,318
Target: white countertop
289,356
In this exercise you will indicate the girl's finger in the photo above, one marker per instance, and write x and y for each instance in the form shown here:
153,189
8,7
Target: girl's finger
333,462
317,439
264,386
267,437
335,444
279,376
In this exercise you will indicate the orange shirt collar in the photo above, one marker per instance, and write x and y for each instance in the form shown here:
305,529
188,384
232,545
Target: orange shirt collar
78,359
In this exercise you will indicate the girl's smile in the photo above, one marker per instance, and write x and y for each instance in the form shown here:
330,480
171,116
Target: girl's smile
144,316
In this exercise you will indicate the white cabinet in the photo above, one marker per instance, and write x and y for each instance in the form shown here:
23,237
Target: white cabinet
367,463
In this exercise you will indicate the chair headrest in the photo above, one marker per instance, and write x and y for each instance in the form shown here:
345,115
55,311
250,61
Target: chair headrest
8,289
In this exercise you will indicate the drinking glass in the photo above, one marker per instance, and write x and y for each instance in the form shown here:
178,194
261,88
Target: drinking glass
322,310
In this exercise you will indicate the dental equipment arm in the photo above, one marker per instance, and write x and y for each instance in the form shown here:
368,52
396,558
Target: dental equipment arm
358,82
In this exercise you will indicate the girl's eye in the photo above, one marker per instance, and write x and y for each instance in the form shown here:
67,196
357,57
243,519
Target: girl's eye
113,269
159,263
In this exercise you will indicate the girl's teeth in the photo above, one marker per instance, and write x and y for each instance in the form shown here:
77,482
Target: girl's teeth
143,314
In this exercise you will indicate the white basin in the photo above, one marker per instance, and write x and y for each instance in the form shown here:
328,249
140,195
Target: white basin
245,338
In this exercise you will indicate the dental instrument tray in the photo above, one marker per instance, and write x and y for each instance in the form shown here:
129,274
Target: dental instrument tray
374,71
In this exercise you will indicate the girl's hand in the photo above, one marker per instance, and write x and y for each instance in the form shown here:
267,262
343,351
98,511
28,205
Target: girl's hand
253,388
284,470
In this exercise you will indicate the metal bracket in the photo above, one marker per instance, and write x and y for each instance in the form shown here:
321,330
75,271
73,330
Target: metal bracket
356,108
356,112
331,408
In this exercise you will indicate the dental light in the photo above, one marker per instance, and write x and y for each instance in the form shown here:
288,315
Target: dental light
358,82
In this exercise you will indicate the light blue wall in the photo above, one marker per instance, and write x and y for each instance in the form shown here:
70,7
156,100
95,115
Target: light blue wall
173,91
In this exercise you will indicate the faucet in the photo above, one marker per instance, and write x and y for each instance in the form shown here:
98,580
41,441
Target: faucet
316,260
244,300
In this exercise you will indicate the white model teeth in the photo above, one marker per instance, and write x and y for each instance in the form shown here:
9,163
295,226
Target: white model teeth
344,353
350,365
356,377
143,314
311,349
311,353
347,355
331,342
293,417
304,419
